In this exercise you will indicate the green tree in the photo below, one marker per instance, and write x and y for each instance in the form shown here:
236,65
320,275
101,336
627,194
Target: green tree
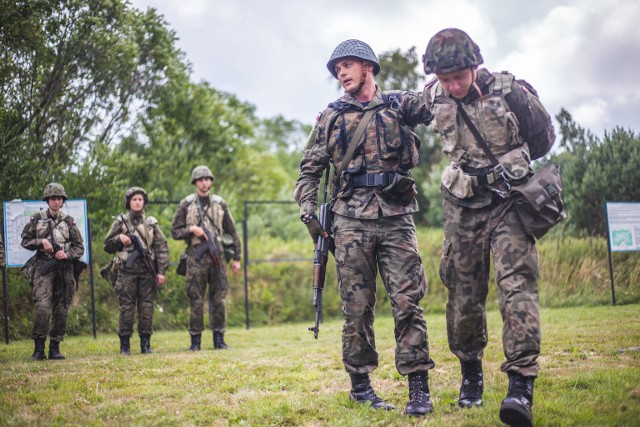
71,74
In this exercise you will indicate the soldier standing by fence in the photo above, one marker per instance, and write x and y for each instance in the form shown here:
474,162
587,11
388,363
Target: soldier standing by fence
142,257
201,220
58,242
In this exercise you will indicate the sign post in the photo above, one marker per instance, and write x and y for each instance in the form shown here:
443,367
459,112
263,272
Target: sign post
623,231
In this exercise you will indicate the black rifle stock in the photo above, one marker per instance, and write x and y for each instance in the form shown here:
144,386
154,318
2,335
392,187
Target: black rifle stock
53,262
324,245
139,251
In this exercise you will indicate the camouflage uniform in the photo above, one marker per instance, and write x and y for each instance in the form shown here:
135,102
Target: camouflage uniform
135,285
51,298
201,271
479,220
372,229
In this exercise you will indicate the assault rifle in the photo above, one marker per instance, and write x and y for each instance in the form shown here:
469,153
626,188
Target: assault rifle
324,245
139,251
210,244
53,262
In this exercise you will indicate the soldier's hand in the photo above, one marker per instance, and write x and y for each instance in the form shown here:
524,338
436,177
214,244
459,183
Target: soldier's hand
47,246
314,227
61,254
235,266
197,231
160,279
126,240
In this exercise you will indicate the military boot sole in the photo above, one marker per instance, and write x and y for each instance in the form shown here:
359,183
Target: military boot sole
469,403
377,403
515,415
56,357
420,411
38,357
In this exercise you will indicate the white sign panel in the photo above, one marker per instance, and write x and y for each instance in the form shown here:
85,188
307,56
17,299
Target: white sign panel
623,220
16,216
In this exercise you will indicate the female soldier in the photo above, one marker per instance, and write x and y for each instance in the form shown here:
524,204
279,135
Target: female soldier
142,257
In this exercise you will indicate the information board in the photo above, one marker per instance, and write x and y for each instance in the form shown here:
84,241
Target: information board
16,216
623,222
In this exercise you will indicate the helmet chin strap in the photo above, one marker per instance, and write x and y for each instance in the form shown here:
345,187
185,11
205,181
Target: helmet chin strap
363,80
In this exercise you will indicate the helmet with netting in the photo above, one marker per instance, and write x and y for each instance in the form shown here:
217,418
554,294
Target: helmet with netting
128,195
451,50
201,172
355,49
54,190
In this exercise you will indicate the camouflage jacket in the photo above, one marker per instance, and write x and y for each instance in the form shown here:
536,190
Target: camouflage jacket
389,146
510,118
217,218
65,234
151,238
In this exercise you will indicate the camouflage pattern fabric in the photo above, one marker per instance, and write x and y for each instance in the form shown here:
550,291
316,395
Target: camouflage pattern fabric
372,231
451,50
470,236
135,286
483,223
50,298
362,247
201,272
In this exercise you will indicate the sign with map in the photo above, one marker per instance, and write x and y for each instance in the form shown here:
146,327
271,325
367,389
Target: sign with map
16,216
623,221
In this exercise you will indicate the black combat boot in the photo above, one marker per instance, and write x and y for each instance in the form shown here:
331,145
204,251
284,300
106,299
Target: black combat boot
362,392
145,344
54,350
38,350
218,341
516,407
125,344
472,384
195,342
419,397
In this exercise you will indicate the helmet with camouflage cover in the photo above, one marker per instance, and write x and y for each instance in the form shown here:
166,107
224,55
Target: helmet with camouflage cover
356,49
128,195
201,172
451,50
54,190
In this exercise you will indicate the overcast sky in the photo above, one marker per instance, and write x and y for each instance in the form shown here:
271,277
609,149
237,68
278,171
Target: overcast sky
583,55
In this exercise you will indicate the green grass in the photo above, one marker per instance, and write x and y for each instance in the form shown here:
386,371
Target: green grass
280,375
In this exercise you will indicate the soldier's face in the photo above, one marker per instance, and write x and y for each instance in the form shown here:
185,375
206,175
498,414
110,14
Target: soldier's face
136,204
350,72
55,203
457,83
203,185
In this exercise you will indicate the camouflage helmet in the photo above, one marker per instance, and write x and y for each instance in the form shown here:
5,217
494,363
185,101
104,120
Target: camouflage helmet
201,172
353,48
54,190
451,50
128,195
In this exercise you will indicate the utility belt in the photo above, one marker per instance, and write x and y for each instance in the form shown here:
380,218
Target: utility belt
381,179
483,176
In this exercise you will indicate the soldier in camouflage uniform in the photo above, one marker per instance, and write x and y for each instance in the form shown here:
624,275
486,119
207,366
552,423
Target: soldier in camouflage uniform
479,218
135,284
52,289
373,225
188,225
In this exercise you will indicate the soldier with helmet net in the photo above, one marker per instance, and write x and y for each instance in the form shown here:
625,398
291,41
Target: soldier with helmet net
479,219
196,214
372,202
137,281
55,237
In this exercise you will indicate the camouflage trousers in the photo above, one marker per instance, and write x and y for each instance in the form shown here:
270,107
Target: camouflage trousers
52,300
135,288
470,237
199,273
362,247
